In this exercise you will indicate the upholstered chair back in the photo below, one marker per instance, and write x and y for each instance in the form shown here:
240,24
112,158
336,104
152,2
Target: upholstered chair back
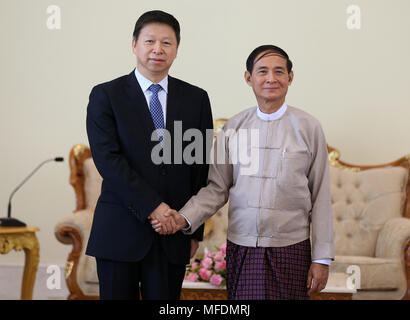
362,202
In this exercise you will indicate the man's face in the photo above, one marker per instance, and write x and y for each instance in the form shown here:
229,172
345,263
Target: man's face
269,79
156,48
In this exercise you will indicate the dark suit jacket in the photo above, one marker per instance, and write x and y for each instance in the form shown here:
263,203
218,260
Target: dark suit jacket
119,128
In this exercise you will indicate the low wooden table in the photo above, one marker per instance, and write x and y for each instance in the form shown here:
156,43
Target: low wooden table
23,238
202,291
336,289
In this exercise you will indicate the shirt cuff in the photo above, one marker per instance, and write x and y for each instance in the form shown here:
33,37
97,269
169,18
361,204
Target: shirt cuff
323,261
187,221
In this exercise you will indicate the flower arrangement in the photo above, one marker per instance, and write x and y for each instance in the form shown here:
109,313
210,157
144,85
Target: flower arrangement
209,268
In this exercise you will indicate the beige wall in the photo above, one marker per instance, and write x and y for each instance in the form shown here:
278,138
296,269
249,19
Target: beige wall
354,81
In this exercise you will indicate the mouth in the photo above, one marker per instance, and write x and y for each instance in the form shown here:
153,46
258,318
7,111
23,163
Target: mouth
157,60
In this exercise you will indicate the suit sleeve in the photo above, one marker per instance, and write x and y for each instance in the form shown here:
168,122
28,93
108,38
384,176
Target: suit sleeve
201,170
138,196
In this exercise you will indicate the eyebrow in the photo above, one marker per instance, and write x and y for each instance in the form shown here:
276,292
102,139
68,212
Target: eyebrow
265,67
152,36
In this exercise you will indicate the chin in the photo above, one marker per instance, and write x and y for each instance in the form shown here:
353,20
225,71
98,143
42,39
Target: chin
158,69
273,98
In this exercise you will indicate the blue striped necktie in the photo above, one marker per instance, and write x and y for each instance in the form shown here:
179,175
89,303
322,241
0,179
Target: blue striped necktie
156,109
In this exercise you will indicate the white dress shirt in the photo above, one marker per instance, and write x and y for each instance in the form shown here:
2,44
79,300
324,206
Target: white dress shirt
162,94
274,115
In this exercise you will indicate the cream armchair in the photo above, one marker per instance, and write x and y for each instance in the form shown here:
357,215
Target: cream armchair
371,210
74,229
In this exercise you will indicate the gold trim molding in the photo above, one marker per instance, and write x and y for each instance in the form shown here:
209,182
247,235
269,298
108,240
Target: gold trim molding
334,156
78,150
68,268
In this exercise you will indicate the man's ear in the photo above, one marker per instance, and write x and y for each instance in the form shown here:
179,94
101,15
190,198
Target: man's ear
247,76
134,44
290,77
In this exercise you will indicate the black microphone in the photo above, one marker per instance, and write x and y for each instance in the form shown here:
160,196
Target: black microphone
9,221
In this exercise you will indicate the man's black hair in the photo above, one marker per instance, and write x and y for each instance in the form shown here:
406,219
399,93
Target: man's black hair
157,16
267,49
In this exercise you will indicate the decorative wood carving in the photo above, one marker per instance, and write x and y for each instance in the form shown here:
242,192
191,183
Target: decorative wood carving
72,263
78,154
23,238
331,296
203,294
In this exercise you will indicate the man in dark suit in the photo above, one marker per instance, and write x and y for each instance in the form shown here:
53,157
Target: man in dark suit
124,121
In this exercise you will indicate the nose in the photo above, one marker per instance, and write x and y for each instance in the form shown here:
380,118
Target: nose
158,47
270,77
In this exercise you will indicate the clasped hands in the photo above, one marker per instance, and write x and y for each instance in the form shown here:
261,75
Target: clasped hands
165,220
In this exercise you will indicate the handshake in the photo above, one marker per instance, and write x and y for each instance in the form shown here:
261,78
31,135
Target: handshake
165,220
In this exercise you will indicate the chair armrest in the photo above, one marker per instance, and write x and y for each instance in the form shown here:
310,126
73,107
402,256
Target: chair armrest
80,221
74,230
393,238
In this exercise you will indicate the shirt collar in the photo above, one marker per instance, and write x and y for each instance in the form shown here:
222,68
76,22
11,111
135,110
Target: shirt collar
272,116
145,83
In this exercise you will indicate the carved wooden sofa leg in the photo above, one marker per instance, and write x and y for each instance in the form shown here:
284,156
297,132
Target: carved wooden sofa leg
72,263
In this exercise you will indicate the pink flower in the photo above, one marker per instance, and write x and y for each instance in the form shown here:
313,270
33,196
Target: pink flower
216,280
194,265
209,254
206,263
219,256
193,277
220,265
223,248
205,274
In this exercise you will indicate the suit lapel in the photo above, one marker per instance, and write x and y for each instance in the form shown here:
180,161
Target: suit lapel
173,105
139,104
